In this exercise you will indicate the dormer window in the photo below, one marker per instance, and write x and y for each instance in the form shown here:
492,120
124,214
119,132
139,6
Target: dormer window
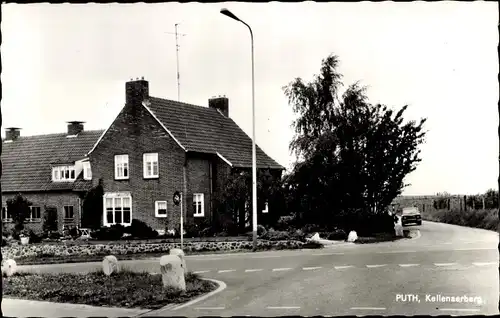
87,172
63,174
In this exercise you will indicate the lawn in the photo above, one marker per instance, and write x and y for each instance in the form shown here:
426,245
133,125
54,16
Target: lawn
125,289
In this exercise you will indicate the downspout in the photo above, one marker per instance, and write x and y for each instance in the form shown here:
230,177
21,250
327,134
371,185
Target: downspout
184,190
210,174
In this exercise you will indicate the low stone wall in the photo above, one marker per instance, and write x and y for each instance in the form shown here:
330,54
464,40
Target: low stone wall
50,250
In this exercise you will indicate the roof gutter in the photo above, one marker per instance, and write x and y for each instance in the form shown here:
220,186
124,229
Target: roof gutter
225,160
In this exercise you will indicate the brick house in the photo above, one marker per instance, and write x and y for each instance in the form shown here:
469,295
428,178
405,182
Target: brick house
51,171
153,148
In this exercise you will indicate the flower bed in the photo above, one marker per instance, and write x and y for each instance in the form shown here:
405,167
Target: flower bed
124,289
123,247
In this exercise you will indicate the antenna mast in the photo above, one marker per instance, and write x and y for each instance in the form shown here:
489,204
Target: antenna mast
177,54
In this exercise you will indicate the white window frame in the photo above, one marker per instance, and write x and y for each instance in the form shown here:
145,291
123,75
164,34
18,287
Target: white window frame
266,208
64,211
58,173
122,162
31,218
148,160
197,199
5,214
157,208
114,196
87,171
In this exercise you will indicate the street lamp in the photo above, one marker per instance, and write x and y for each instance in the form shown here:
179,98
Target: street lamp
228,13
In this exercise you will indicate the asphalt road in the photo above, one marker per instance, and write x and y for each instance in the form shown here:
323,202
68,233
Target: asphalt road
392,278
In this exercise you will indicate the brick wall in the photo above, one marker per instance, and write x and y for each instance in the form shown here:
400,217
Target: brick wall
135,132
54,199
198,181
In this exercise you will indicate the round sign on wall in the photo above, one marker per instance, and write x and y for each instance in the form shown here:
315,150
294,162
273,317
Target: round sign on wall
177,197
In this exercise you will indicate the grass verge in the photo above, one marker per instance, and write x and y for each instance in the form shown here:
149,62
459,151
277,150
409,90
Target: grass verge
124,289
37,260
481,219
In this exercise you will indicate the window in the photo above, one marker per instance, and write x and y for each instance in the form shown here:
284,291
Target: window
63,173
35,213
121,167
68,212
6,217
87,172
161,209
266,208
150,165
199,206
117,209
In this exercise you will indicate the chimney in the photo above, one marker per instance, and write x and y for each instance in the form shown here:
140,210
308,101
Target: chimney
221,103
75,127
136,91
12,133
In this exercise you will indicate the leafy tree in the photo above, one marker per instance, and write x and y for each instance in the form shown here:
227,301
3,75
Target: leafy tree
491,199
352,156
237,190
19,208
92,207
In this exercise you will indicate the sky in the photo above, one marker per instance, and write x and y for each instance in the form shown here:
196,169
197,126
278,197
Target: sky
71,62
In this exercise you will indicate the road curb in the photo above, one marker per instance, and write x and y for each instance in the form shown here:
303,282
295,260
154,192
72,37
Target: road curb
221,287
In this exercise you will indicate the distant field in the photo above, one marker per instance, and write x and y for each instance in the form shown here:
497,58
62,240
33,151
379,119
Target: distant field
483,219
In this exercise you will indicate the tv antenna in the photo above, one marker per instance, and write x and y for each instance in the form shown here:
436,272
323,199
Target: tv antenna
177,56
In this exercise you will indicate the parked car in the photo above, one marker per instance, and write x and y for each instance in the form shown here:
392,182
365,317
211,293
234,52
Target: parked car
411,215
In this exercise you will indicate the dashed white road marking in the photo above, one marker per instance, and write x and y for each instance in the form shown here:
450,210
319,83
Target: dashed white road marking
396,252
210,308
311,268
227,270
484,264
281,269
474,249
200,272
368,308
324,254
460,309
445,264
283,307
342,267
408,265
253,270
376,266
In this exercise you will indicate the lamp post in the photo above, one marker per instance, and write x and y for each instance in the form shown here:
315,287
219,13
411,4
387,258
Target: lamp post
228,13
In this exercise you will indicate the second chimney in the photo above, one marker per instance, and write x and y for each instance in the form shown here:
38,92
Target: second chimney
136,91
12,133
75,127
220,103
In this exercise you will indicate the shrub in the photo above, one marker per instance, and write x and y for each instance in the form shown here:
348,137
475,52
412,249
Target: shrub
261,230
34,238
338,234
285,222
4,241
276,236
19,208
139,229
207,232
112,233
74,232
54,235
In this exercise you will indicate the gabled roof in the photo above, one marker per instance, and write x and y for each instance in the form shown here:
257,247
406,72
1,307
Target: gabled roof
27,162
206,130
